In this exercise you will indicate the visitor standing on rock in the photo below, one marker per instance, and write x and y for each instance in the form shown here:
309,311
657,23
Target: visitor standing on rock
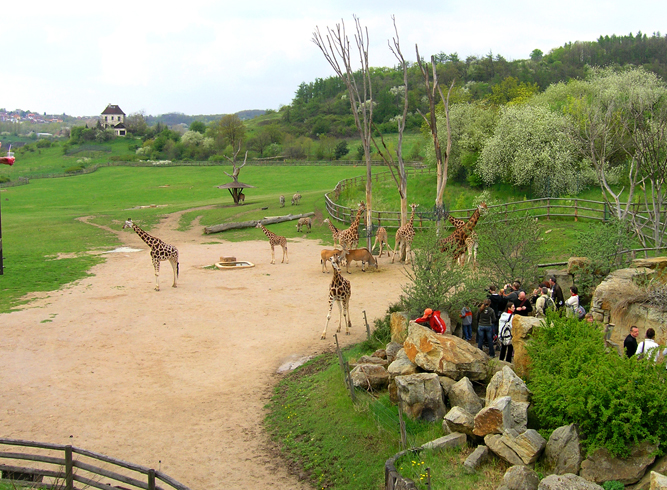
630,342
432,320
485,320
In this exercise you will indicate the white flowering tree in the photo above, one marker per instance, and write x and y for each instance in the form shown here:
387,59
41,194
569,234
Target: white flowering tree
532,146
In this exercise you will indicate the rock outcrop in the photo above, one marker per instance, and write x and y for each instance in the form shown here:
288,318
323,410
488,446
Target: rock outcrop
420,396
601,466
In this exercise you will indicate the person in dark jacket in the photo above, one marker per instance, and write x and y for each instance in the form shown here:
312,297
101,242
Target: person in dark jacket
630,342
523,305
497,303
556,293
486,318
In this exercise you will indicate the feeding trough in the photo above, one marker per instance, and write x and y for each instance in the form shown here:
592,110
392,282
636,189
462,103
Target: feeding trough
232,263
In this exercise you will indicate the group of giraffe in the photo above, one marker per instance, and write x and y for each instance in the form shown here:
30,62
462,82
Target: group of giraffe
463,238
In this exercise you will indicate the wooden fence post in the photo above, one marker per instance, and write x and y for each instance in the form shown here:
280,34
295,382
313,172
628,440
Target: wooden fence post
548,209
368,329
576,216
151,479
69,469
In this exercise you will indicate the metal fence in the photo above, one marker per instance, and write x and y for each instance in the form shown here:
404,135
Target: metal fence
55,466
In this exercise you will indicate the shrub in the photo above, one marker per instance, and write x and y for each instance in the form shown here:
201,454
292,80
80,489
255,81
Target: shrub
613,485
74,169
616,402
3,179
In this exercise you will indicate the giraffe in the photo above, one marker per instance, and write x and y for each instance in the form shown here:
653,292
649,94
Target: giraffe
404,236
471,242
339,291
350,238
282,201
159,251
335,232
296,198
304,223
381,236
275,240
456,242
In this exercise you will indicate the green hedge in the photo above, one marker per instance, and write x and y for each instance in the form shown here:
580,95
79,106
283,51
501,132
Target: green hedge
615,401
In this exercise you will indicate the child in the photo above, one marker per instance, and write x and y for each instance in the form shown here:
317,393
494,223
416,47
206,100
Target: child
466,322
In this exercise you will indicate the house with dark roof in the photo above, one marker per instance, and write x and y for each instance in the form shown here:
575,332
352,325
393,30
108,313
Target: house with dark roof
113,117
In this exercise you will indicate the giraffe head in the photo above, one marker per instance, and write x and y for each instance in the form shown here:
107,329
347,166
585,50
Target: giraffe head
258,225
128,223
414,206
335,260
482,207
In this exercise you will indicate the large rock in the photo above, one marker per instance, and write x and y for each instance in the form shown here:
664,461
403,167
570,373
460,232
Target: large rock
370,376
420,396
522,329
659,466
446,354
515,448
447,384
478,457
658,481
402,365
449,441
392,349
657,264
563,452
399,326
458,419
370,360
601,466
567,482
519,412
462,394
495,418
507,383
519,477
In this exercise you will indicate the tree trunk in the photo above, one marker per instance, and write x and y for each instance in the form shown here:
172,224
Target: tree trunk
251,224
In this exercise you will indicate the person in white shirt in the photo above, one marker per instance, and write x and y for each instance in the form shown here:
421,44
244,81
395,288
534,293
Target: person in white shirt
649,348
572,303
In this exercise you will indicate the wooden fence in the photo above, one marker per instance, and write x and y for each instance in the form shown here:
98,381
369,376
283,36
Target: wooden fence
61,466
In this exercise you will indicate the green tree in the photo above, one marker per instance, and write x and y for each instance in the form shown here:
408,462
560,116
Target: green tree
341,150
229,131
136,123
198,126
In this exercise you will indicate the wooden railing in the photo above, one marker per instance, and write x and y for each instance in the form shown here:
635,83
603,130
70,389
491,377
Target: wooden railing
61,466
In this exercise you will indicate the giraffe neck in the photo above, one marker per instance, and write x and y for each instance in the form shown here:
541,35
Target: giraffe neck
412,218
268,233
150,240
473,220
332,227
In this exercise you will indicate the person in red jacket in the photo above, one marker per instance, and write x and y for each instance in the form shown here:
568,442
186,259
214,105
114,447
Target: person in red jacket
432,320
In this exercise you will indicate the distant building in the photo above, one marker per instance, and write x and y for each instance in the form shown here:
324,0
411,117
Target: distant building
113,117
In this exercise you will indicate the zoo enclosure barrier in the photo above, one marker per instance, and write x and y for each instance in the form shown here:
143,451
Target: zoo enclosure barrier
547,207
90,474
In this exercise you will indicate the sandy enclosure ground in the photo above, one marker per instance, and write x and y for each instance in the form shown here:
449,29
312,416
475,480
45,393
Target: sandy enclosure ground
176,379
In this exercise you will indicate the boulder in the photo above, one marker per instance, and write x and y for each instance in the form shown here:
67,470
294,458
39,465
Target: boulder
462,394
659,466
370,360
522,328
402,365
370,377
658,481
519,413
657,264
563,451
420,396
528,445
445,354
446,384
381,353
392,349
507,383
567,482
601,466
476,459
495,418
399,326
458,419
497,445
519,477
452,440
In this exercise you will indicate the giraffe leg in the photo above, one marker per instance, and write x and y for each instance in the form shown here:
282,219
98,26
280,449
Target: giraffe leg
285,256
396,247
273,255
156,265
174,266
408,251
341,312
324,333
348,320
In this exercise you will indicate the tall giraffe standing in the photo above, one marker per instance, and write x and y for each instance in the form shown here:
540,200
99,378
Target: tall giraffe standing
471,242
275,240
456,242
335,232
159,251
348,239
404,236
339,291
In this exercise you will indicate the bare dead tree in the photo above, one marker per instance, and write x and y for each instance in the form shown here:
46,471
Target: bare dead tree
442,164
235,172
335,47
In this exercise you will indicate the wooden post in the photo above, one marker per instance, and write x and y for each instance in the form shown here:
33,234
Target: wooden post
69,469
576,217
548,209
368,329
428,478
401,427
151,479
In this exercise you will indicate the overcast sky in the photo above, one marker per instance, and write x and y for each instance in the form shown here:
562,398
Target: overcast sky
216,57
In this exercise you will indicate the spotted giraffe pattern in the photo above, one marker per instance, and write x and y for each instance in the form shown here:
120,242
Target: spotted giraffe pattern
159,251
275,240
471,242
381,238
335,232
404,236
282,201
349,238
340,291
456,242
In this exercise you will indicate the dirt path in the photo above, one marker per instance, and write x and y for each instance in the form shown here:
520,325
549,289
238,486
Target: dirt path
176,379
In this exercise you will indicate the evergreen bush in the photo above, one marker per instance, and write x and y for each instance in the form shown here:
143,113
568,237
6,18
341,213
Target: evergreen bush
616,401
